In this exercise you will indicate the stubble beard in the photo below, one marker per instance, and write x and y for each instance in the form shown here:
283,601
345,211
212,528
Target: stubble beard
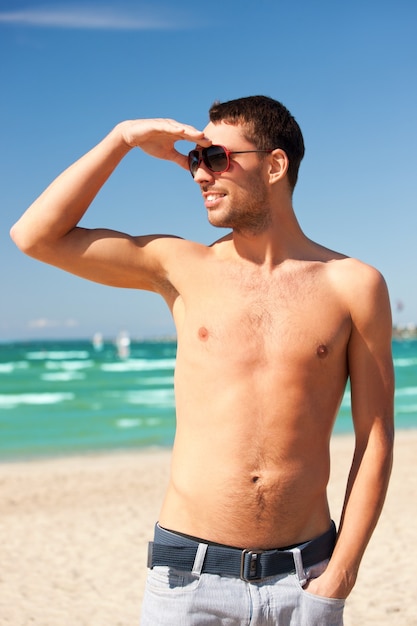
248,212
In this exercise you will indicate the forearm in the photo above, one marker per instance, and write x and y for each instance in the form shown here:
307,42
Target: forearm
62,205
365,495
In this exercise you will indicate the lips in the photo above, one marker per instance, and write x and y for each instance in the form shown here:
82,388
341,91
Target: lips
212,199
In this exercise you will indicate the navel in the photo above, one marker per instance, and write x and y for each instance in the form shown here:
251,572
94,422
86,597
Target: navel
322,351
203,333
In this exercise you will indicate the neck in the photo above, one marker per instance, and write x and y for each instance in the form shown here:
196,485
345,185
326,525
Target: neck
281,240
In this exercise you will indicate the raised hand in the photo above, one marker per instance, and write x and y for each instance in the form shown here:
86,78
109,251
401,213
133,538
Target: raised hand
157,137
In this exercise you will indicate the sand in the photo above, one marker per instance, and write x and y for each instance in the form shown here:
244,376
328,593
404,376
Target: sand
74,532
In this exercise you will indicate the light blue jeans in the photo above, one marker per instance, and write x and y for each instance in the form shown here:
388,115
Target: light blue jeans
177,598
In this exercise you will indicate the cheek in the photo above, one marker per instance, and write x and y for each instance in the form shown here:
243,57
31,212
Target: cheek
256,187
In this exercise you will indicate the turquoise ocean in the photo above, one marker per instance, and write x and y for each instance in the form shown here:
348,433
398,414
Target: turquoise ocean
71,397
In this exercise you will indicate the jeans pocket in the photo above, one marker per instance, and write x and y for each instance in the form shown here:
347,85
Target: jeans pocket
318,610
315,610
314,572
337,602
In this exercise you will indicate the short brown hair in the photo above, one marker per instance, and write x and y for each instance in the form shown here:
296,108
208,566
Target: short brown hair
268,125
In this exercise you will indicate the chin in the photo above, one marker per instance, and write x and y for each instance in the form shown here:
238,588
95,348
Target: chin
218,221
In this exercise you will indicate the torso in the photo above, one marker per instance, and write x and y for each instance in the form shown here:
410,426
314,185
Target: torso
261,371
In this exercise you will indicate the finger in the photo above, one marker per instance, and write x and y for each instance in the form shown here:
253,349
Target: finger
180,159
190,133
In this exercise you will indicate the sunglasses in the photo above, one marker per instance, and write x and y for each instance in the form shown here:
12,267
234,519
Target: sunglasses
215,158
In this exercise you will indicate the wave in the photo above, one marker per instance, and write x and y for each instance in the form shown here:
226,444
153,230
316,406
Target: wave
399,392
405,362
43,355
406,391
149,397
137,422
139,365
11,401
63,376
69,365
9,368
156,381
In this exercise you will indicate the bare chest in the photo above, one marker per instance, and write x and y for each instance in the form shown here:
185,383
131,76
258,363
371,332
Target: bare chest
297,314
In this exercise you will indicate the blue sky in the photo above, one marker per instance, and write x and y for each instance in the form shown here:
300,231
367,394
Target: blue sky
70,71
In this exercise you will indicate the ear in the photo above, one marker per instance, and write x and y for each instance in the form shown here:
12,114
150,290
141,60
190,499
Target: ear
278,165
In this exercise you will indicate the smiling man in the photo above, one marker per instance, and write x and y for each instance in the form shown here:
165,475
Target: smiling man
270,326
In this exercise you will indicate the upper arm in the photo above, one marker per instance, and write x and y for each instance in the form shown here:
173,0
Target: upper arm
113,258
369,353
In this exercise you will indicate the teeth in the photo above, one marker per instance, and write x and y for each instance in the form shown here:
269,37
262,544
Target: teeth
211,197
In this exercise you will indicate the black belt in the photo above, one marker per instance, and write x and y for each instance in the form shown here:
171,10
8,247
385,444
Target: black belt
248,565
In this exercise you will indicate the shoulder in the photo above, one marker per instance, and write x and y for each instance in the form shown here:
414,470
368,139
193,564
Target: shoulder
364,291
355,273
195,250
354,280
173,259
166,246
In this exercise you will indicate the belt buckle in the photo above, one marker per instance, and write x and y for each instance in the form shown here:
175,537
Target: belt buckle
253,565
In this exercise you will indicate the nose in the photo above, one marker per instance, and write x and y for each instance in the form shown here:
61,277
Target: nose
202,173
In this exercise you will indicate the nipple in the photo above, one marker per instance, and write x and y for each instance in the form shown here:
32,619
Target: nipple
322,351
203,333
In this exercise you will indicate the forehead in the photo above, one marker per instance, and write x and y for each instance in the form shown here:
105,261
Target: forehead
227,135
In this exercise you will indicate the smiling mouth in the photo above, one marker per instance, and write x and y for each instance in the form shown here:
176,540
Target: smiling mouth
212,197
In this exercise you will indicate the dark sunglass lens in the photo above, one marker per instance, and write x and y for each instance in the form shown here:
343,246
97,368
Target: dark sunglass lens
215,158
193,161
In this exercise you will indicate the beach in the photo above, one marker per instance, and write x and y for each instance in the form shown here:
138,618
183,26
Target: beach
74,533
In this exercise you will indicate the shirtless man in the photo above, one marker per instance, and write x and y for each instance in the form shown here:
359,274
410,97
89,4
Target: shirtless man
270,326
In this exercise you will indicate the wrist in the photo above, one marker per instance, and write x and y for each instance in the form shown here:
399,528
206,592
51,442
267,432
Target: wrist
122,135
337,583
